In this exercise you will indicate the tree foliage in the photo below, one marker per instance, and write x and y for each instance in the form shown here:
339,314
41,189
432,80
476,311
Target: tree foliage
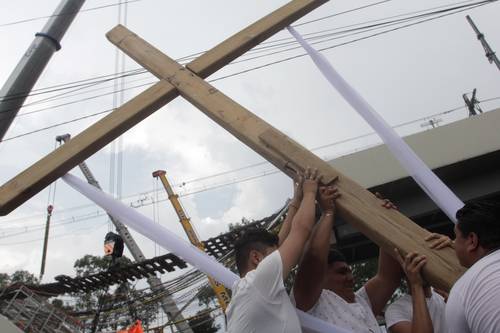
19,276
120,306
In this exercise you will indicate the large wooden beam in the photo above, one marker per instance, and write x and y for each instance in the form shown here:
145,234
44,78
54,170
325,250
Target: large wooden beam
34,179
388,228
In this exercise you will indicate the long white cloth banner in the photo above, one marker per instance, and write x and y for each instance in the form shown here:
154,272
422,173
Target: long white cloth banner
416,168
173,243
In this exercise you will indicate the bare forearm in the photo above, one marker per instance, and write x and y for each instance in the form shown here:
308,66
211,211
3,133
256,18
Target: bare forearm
382,286
293,246
313,267
421,322
304,218
287,223
389,269
320,239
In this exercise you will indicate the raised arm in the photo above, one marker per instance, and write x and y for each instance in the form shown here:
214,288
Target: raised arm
314,264
381,287
302,224
293,206
421,321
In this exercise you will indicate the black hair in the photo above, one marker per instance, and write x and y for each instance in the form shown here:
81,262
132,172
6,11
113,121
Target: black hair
483,219
258,239
335,255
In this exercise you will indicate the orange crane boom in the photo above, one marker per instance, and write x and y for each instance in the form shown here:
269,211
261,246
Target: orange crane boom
219,289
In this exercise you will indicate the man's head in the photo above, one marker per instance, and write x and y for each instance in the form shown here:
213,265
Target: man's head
252,247
477,231
339,278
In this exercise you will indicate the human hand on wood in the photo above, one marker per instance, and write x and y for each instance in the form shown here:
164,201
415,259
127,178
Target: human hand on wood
439,241
326,198
311,180
386,203
412,265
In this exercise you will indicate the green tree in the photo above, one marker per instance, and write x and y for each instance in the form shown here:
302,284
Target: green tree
19,276
364,271
237,225
124,297
4,280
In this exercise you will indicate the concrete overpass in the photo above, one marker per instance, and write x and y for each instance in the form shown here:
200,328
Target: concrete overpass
464,154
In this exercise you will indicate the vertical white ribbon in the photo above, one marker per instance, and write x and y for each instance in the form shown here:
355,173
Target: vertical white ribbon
416,168
173,243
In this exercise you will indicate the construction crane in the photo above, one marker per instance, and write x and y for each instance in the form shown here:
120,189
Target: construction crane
167,303
219,289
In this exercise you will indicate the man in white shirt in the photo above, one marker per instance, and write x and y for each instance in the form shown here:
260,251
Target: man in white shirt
474,302
260,303
422,311
324,286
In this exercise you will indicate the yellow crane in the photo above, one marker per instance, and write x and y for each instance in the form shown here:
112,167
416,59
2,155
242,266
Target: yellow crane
219,289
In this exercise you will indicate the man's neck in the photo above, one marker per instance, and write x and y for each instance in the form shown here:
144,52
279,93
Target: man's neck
481,253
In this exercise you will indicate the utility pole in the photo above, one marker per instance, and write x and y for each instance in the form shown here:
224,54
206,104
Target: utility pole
472,104
218,288
167,303
492,58
28,70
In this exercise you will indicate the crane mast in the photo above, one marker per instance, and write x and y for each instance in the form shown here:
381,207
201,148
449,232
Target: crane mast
50,208
167,303
219,289
24,76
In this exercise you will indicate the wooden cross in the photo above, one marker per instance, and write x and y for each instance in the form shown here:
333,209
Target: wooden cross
388,228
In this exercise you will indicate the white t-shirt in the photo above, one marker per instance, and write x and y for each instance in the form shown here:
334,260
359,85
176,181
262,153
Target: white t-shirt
474,302
356,317
402,310
260,303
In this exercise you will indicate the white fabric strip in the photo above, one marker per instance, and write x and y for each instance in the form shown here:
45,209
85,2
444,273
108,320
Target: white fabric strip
173,243
416,168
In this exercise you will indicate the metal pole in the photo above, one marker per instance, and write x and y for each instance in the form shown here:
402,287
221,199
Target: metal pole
492,58
23,78
46,240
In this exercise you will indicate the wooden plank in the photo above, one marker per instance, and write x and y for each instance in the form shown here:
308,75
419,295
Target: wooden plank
35,178
295,155
152,59
387,228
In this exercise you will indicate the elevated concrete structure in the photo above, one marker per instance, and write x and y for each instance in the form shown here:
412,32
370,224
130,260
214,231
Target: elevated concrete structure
464,154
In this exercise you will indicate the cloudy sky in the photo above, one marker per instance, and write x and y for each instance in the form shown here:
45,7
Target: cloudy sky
409,75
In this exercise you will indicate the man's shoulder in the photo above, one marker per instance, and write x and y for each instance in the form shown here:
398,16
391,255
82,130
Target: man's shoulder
400,302
483,271
400,310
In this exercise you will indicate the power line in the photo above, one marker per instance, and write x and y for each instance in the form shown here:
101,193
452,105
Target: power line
80,11
262,46
57,125
454,9
344,12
